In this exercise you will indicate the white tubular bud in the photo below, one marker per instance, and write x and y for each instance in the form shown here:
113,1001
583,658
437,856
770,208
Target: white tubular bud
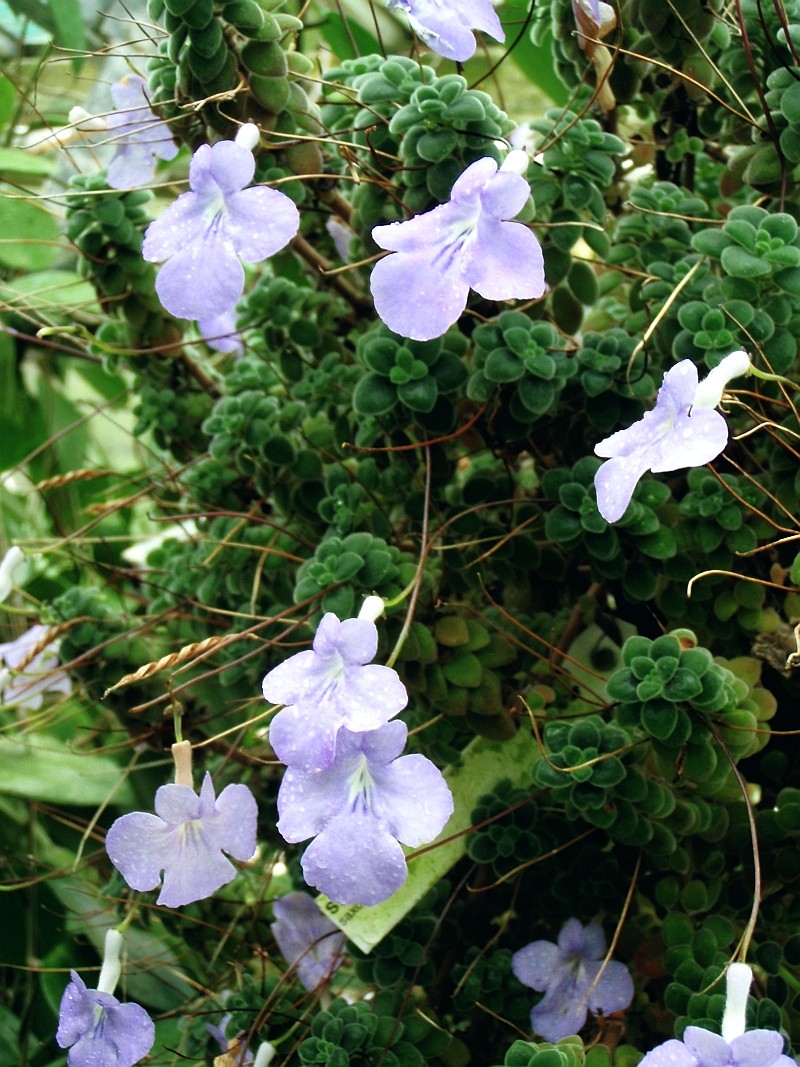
248,136
371,609
517,161
182,755
739,979
79,116
710,390
11,561
112,966
265,1055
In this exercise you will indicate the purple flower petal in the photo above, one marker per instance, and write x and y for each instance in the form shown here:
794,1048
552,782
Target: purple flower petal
219,332
671,1054
308,940
615,482
506,262
355,860
99,1031
185,840
429,308
446,28
534,964
567,973
560,1013
758,1048
41,674
204,278
181,224
260,222
412,799
701,1048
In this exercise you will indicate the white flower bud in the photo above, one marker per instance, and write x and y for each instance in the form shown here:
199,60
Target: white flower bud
112,967
739,979
517,161
371,609
248,136
265,1055
9,571
710,390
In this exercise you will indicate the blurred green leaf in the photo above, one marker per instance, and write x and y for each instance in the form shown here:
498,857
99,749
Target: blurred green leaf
30,234
17,160
46,770
51,290
67,23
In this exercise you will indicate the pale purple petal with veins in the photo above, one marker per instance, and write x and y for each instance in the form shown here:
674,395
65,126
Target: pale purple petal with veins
308,940
185,840
99,1031
422,289
574,979
358,810
205,278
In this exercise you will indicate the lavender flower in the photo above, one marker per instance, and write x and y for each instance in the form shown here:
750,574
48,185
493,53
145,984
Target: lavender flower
422,289
25,688
139,135
701,1048
574,979
328,687
208,231
359,809
682,430
308,940
446,26
185,840
95,1027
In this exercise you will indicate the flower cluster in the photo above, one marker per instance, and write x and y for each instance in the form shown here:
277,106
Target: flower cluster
207,233
347,784
467,243
574,978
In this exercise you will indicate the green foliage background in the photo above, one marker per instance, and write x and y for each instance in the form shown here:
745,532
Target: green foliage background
188,514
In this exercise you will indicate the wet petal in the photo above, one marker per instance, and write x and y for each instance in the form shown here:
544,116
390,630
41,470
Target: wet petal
355,861
204,278
415,298
505,262
260,222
